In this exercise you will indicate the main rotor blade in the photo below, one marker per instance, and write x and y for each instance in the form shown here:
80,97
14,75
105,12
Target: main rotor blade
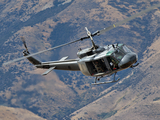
96,33
125,20
30,55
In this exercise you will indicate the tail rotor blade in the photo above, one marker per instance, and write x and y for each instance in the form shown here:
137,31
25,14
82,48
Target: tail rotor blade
24,42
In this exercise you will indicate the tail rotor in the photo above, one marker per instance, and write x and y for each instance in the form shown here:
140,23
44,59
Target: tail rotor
25,52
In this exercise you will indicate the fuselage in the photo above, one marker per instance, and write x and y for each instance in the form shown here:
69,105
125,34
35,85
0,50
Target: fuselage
96,62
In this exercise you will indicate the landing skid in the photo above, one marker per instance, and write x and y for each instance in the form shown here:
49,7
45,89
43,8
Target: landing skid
98,83
133,66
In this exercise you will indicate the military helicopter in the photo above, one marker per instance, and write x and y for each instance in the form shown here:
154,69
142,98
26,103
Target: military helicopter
96,61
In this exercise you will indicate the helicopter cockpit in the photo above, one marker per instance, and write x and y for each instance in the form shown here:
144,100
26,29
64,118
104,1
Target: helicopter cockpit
120,52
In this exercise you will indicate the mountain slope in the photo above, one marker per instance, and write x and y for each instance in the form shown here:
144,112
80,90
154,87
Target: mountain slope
8,113
53,22
139,98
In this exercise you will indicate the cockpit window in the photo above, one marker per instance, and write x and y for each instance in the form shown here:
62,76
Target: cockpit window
118,54
126,49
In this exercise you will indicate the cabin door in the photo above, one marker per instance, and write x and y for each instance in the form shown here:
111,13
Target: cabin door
107,63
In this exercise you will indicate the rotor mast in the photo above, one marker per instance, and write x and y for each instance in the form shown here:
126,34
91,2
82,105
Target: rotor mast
90,35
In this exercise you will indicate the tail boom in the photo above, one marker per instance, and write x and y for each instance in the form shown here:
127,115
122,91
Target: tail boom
31,59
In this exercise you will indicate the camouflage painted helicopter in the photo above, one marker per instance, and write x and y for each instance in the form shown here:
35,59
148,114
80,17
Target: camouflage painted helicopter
96,61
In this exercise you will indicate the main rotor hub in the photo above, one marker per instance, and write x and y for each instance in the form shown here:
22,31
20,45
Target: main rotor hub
89,52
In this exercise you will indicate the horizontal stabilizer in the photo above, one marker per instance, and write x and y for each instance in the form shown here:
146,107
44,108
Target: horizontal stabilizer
64,58
48,71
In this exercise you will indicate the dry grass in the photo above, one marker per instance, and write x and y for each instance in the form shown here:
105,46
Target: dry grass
8,113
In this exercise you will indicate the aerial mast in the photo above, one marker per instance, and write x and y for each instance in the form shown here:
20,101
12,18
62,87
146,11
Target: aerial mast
90,35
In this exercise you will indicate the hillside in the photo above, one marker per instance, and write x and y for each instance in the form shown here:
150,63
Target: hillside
135,97
70,95
8,113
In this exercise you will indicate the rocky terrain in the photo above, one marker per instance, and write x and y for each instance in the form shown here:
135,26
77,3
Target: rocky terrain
70,95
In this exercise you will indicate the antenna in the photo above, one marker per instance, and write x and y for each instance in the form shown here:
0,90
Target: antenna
90,35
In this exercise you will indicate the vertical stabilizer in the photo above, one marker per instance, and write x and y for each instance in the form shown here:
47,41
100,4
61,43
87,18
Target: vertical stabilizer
26,52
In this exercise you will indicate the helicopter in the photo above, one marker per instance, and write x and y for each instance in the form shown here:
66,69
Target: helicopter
96,61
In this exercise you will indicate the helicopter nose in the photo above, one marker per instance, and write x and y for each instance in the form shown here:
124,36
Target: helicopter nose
128,60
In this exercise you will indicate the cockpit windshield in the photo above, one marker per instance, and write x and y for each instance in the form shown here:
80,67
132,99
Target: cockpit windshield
118,54
126,49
